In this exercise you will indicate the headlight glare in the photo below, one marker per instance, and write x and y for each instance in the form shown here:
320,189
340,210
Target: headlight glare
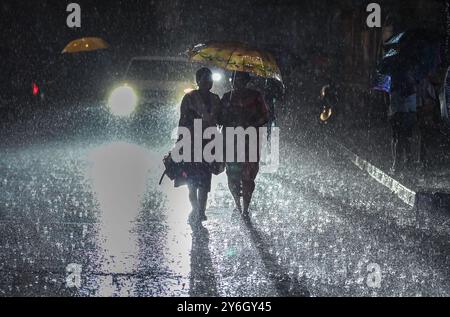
123,101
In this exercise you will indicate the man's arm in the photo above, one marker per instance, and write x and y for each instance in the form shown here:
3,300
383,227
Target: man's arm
184,112
185,118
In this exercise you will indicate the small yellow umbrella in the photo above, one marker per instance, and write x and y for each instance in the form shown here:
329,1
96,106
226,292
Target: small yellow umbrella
85,44
236,56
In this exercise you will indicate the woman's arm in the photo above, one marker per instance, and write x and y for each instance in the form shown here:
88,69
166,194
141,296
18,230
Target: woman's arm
263,111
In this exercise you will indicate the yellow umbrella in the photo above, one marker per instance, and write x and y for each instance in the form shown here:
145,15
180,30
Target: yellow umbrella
236,56
85,44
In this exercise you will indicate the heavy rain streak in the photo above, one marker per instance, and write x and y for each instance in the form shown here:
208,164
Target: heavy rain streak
345,105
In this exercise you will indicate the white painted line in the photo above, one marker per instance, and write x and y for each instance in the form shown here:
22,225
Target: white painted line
405,194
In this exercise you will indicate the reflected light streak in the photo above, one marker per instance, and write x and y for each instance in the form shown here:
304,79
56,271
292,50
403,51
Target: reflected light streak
119,173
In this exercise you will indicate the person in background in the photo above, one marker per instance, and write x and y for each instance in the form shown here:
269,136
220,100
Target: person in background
428,112
402,117
243,107
204,105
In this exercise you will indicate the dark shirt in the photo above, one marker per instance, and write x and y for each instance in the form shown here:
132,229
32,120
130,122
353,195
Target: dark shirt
245,109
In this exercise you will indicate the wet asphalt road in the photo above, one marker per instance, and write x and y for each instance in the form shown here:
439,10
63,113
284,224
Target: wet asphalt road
82,214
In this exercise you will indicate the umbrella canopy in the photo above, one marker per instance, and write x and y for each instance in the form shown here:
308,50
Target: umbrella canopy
413,37
391,62
85,44
236,56
417,50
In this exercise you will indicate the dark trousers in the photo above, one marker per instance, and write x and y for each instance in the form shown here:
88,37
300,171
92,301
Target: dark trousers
402,124
426,139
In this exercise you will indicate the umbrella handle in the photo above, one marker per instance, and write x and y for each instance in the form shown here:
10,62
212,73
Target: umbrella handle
162,177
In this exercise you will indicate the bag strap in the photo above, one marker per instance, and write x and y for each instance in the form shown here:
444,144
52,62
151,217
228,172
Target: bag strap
162,177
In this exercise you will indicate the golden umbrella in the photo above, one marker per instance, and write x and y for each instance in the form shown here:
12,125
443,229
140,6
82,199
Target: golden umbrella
85,44
236,56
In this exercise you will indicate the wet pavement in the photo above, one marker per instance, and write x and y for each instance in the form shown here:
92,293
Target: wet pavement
85,216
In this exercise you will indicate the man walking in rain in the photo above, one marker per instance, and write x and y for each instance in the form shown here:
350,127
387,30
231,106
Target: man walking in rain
202,105
245,108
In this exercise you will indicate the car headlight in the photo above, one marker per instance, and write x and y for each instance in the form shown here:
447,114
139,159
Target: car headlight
123,101
217,76
188,90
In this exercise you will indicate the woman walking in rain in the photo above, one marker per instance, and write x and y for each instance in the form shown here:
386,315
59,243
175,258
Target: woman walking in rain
203,105
243,107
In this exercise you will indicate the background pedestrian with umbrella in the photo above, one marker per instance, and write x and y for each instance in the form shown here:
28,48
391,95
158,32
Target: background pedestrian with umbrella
411,57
